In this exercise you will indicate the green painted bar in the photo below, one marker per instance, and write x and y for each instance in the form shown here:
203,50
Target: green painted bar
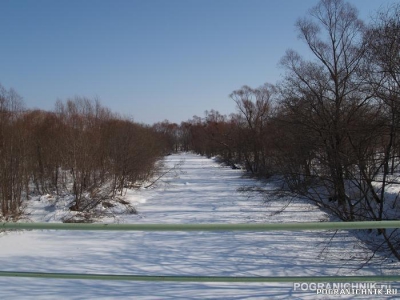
206,227
202,278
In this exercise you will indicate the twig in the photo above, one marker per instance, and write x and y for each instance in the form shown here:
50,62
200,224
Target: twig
165,173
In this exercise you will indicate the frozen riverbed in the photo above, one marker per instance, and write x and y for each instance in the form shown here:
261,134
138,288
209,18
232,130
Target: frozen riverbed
199,190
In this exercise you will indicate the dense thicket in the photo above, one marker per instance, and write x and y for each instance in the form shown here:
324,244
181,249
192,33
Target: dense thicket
330,128
81,148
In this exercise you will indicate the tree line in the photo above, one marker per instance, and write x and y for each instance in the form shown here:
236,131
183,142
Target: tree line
330,127
80,148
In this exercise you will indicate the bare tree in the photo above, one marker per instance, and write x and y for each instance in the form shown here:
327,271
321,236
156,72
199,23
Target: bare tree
382,73
13,176
254,110
327,91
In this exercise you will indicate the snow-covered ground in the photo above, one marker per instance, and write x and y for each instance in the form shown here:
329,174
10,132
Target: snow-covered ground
199,191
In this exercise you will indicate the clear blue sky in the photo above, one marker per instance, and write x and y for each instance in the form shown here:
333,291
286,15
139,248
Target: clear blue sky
148,59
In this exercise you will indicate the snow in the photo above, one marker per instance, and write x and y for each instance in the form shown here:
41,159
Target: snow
199,190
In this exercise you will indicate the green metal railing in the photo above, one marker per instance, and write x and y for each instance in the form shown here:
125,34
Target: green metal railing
205,227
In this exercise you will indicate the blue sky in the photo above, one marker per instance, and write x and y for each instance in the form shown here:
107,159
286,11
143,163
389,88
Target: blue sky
148,59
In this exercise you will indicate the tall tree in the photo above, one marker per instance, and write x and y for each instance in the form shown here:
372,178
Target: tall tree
13,175
324,95
254,111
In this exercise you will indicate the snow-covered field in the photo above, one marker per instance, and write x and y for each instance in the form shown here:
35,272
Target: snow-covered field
199,191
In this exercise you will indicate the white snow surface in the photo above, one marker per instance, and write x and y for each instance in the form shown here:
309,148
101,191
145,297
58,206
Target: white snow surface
200,190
